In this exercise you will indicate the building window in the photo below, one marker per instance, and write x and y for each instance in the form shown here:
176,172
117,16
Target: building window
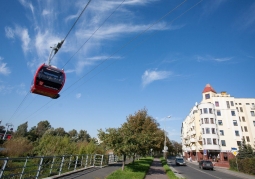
212,120
238,143
202,121
241,109
228,106
207,96
214,142
237,109
213,130
220,123
235,123
247,138
233,113
204,141
243,118
201,111
245,129
223,142
221,132
203,130
206,120
218,113
210,110
247,103
217,103
237,133
242,128
205,111
209,141
232,103
207,130
254,123
252,113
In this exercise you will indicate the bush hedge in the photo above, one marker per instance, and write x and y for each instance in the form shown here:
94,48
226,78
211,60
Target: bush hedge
245,165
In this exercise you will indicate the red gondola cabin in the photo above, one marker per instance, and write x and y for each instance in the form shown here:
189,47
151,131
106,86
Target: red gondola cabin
48,81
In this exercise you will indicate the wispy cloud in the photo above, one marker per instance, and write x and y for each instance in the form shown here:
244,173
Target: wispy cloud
21,33
211,6
50,23
150,76
78,95
3,68
210,58
247,19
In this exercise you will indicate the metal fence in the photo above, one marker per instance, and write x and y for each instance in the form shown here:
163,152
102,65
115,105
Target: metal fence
46,166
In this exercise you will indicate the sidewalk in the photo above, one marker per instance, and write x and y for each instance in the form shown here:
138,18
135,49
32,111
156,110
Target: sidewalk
156,170
226,170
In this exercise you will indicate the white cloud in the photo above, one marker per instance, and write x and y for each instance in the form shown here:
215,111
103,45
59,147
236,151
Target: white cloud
45,12
150,76
5,89
210,58
3,68
27,5
78,95
9,32
23,35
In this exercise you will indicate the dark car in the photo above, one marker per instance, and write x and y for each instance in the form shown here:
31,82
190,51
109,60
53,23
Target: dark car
179,161
206,164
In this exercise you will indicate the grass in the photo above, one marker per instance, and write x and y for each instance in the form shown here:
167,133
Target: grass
136,170
168,171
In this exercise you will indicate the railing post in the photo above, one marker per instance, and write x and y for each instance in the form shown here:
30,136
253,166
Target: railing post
39,168
81,160
86,161
70,162
3,168
102,160
94,160
61,165
52,164
23,169
76,162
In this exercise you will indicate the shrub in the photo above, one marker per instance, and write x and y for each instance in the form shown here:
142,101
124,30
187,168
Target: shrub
18,147
245,165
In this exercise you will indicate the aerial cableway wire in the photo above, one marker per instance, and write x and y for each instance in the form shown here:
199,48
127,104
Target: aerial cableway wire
52,56
83,44
123,46
93,33
136,45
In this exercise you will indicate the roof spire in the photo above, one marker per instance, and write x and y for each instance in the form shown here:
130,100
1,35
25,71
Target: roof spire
208,88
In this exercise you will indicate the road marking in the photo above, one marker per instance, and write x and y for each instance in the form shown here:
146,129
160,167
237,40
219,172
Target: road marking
204,172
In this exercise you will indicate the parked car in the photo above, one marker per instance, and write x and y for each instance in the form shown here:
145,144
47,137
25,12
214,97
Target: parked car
179,161
206,164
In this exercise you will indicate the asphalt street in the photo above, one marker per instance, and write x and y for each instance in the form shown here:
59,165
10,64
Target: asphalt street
192,171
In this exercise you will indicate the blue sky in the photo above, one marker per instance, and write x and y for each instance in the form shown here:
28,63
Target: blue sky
123,56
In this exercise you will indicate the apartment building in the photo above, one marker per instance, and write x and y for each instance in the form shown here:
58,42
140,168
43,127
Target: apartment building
217,124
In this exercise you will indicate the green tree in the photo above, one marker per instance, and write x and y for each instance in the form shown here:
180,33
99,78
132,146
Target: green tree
42,127
55,145
245,151
21,130
32,134
73,134
83,136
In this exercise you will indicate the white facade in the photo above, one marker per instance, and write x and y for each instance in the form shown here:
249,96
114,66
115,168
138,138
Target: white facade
217,124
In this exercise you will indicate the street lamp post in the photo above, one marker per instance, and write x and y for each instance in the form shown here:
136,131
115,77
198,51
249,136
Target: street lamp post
165,147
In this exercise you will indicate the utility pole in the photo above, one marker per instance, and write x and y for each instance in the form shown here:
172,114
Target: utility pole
8,125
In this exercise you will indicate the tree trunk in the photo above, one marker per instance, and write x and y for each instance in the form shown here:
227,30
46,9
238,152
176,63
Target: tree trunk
123,162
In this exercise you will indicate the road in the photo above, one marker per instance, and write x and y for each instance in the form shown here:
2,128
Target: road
191,171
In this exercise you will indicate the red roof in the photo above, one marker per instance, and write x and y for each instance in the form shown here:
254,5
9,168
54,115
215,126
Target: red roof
208,88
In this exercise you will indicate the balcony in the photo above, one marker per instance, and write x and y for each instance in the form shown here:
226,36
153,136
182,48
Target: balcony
192,140
193,147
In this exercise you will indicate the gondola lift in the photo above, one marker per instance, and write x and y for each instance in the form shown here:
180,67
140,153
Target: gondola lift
48,79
